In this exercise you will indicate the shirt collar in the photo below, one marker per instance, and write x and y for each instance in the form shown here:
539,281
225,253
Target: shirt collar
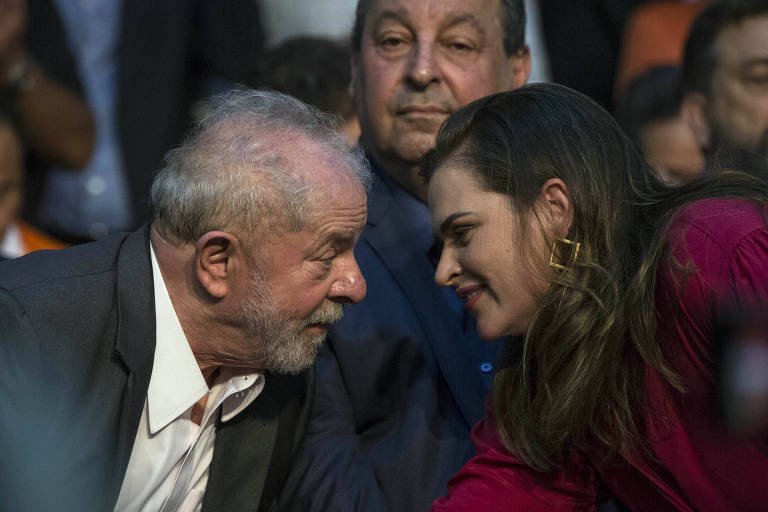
12,245
176,382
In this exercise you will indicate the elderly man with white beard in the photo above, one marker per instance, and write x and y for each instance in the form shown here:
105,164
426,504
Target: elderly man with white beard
170,368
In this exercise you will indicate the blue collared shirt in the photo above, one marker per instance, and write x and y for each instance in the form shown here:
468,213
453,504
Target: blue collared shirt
94,201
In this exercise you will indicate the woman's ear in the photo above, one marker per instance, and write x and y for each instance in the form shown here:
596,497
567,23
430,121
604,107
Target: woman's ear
217,255
554,203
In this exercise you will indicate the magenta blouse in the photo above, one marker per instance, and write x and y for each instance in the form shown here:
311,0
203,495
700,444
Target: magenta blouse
696,464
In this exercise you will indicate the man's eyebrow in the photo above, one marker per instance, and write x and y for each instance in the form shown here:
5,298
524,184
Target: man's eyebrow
399,16
458,19
449,220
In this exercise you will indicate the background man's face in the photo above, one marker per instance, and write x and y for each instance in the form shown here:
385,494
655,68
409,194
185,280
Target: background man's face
421,60
738,103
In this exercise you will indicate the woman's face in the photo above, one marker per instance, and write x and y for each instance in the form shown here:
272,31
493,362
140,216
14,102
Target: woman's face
482,255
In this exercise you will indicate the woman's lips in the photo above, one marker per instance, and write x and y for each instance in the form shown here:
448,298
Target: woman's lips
470,294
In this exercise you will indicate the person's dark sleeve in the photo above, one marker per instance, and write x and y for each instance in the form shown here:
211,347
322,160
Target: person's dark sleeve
27,422
330,472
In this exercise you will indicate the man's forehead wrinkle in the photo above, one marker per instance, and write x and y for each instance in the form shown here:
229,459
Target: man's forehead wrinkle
447,20
347,214
341,227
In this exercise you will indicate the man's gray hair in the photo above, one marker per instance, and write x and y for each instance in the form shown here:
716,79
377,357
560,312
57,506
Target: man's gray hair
513,24
232,169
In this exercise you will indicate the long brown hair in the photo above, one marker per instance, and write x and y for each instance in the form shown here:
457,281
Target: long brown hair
577,376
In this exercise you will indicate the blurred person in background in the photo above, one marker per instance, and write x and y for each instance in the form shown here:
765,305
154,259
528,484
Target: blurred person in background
315,70
55,122
141,64
16,237
583,40
654,36
725,76
649,112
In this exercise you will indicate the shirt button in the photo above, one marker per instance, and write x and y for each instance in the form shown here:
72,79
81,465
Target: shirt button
486,367
96,185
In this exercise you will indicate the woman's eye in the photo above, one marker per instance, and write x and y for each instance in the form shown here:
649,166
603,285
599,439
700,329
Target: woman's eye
461,235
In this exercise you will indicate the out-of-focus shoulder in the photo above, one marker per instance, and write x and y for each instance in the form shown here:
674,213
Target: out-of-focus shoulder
725,221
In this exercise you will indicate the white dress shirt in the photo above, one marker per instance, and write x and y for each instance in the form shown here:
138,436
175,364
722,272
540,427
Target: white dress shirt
168,468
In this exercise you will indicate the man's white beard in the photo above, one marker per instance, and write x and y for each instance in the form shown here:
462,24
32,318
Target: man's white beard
287,348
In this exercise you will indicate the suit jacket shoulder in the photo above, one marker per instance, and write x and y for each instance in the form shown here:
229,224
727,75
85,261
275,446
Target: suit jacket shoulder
81,322
82,319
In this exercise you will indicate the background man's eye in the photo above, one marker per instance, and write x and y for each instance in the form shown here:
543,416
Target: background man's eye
460,47
391,42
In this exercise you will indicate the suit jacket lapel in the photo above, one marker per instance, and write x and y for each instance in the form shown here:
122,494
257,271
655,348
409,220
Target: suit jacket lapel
135,343
253,451
389,234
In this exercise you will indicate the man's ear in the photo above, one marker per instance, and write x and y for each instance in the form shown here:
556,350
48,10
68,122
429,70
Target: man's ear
217,256
520,67
554,203
693,110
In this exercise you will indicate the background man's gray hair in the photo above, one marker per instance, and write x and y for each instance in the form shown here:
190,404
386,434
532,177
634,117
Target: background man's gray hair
513,24
231,171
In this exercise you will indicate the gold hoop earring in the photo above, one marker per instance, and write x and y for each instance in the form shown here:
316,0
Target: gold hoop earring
568,260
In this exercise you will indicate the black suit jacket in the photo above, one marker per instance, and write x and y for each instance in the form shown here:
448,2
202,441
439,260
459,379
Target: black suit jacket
77,338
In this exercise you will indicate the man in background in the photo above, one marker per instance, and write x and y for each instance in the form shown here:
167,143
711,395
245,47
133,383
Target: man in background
141,65
404,376
725,76
649,112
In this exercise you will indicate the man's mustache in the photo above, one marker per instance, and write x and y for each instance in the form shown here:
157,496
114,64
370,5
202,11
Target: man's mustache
325,314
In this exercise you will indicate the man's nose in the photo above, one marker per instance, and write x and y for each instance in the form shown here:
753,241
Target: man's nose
349,287
424,67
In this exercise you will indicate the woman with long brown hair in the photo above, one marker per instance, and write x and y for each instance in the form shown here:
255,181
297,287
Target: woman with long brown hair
609,284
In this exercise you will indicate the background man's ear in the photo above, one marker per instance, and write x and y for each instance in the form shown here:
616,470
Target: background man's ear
554,203
521,68
216,254
693,111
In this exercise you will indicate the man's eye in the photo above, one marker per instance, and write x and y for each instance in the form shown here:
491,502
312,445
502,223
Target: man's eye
459,46
761,79
392,43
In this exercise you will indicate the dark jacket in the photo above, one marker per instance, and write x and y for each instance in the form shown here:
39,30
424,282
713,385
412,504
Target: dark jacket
77,339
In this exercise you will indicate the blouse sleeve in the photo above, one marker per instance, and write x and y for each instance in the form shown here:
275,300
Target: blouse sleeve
749,270
719,266
494,480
